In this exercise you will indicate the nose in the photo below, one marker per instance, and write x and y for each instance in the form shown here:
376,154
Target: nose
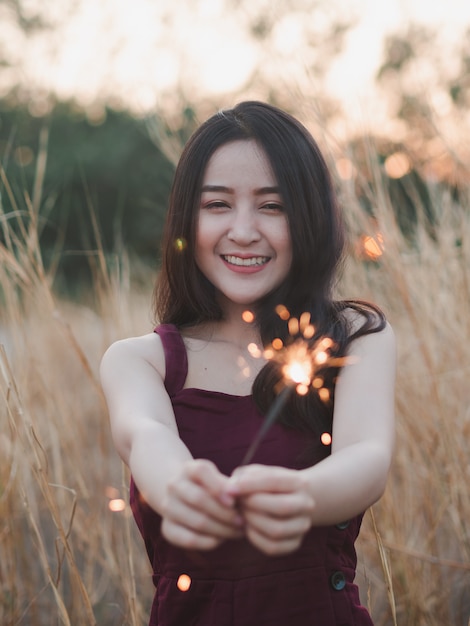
244,228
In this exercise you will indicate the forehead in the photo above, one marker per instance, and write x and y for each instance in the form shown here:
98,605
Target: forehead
239,160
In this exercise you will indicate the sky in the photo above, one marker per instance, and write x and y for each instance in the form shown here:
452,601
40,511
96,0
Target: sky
144,50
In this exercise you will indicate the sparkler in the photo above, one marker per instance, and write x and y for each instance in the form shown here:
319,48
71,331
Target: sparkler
300,364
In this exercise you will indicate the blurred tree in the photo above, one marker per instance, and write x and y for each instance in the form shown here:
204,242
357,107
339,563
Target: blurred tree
20,19
427,82
293,44
297,41
109,170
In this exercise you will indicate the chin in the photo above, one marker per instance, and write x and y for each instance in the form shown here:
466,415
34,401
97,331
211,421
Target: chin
239,299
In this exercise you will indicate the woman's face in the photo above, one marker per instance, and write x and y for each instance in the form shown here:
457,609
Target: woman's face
243,244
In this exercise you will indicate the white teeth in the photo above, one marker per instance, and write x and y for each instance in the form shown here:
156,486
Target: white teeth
254,260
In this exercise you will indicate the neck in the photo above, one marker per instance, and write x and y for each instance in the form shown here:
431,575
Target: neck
239,324
231,329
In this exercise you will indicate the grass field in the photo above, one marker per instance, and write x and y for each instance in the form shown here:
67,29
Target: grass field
70,553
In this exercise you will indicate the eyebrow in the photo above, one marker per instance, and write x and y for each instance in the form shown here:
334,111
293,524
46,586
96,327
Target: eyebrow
258,192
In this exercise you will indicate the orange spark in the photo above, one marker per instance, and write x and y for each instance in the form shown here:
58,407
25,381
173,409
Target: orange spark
254,350
282,312
302,389
321,357
326,439
248,316
308,331
304,321
277,344
293,325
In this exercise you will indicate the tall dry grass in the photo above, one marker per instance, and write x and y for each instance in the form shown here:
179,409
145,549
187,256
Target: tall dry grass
422,533
67,558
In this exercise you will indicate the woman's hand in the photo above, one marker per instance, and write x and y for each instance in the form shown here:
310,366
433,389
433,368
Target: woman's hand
276,506
198,511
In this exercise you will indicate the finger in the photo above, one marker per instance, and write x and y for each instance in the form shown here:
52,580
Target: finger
277,529
186,500
200,522
186,538
272,547
206,474
279,505
254,478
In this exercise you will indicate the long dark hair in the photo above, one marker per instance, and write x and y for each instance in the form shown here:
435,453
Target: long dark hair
183,295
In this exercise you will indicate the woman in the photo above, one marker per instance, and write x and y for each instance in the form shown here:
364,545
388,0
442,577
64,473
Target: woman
253,225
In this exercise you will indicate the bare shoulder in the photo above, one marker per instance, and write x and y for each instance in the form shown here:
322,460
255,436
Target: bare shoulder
384,337
381,341
373,358
129,352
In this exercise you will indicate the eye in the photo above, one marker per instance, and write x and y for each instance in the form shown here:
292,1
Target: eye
216,205
274,207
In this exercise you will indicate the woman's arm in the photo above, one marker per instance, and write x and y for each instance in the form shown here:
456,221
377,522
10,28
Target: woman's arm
189,494
280,504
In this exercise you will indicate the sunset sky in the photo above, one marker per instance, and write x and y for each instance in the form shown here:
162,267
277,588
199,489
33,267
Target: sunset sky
142,50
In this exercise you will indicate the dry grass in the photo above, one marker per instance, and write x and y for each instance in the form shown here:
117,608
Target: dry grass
66,558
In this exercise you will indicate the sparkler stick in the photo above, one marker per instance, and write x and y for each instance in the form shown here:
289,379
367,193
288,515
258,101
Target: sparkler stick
270,418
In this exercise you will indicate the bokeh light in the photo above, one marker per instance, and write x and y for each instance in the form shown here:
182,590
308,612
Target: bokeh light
181,244
277,344
326,439
254,350
117,505
372,246
397,165
248,316
282,311
184,582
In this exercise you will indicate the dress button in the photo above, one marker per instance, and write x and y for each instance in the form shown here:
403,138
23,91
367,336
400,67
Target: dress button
342,525
338,581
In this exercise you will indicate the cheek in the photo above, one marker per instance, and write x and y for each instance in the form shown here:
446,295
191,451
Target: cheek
285,241
205,241
201,234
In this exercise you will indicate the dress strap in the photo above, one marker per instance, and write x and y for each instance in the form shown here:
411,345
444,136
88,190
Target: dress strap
176,359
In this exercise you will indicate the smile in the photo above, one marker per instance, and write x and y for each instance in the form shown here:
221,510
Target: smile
250,262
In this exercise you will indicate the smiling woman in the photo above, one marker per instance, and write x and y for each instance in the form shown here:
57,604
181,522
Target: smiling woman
263,527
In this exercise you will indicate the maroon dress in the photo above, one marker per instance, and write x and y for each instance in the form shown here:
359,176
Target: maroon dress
236,584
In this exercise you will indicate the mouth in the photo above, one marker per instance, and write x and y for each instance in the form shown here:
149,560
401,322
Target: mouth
252,261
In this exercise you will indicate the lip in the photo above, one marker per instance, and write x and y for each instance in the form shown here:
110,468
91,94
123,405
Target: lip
248,268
